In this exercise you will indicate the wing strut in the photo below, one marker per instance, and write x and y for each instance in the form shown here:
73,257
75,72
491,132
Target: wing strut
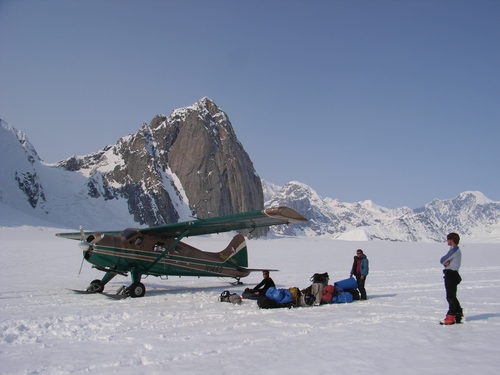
165,252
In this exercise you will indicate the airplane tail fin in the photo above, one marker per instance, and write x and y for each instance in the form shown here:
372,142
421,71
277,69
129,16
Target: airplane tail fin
235,253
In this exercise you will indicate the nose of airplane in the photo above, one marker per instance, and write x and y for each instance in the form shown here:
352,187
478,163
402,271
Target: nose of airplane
84,245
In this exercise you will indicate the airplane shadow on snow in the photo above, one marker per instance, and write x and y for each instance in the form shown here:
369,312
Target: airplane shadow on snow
161,289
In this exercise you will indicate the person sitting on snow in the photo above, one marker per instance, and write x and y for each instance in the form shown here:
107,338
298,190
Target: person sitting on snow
261,288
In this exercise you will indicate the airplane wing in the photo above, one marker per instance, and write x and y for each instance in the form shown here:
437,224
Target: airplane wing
246,220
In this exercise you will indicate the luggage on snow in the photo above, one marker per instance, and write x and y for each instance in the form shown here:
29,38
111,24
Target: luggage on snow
355,294
317,292
321,278
342,297
226,296
328,293
349,283
295,294
281,296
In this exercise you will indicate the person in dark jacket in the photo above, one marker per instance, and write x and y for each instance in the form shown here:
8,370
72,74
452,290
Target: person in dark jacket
264,285
360,271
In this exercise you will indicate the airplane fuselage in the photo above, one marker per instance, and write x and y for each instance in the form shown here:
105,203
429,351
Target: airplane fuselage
158,256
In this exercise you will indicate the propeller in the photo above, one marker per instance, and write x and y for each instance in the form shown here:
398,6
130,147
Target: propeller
87,246
84,244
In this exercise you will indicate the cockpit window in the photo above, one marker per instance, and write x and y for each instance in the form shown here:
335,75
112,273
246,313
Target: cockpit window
138,241
129,233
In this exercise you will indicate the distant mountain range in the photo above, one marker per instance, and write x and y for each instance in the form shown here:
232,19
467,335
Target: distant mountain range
472,215
191,163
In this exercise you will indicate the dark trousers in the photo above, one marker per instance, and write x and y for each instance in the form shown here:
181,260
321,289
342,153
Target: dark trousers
451,281
361,286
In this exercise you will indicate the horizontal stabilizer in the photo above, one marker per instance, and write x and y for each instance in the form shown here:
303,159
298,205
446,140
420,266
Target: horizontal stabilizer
256,269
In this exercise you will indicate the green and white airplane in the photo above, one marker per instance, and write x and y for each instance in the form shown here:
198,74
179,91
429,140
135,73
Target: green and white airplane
158,251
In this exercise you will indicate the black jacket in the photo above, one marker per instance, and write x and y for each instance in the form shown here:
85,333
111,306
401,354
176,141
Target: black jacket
263,286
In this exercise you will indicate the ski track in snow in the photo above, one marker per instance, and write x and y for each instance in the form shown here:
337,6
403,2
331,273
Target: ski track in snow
180,327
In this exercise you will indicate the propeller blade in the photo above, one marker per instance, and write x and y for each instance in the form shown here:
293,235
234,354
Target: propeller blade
85,246
81,265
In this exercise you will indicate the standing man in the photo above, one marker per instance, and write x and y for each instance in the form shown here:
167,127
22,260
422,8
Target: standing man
451,262
360,270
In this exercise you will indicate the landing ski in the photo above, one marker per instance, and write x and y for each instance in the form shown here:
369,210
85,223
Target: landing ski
109,295
81,291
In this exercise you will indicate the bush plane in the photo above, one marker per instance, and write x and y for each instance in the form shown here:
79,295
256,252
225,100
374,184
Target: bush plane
158,251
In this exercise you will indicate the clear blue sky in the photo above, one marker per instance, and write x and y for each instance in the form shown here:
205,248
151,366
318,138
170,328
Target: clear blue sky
393,101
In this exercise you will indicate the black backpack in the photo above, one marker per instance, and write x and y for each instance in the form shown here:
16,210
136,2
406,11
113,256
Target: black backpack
266,303
320,278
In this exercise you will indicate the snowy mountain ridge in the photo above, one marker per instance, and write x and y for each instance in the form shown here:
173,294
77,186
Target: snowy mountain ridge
132,184
473,215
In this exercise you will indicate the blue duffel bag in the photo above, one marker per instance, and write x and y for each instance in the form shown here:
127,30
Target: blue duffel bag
342,297
282,296
349,283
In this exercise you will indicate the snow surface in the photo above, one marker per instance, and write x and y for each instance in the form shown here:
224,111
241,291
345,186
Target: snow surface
180,327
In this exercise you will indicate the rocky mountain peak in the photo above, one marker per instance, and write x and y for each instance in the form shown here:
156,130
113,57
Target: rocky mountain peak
213,165
19,165
188,163
21,141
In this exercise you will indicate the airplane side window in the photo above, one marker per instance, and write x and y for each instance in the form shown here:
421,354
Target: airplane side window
159,246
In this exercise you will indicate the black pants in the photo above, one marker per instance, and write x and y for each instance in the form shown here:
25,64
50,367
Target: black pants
361,286
451,281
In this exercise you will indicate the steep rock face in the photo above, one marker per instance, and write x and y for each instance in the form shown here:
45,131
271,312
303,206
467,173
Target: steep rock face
214,169
189,163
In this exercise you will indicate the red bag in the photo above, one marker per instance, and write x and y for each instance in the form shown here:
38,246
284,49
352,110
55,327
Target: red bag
328,292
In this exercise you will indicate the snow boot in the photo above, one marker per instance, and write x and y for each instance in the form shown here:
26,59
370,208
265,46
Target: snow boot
449,320
459,317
